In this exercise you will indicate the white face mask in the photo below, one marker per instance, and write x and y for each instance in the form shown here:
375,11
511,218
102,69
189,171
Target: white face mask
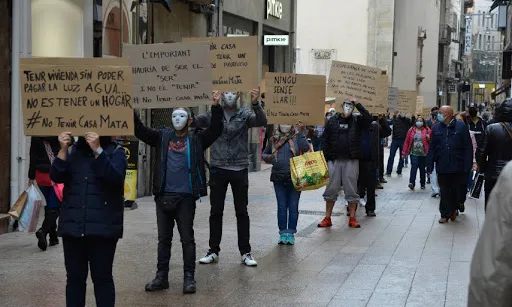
179,119
229,99
285,128
348,109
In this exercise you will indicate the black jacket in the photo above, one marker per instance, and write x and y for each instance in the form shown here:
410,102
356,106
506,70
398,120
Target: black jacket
332,130
478,130
93,203
400,127
200,140
496,149
39,159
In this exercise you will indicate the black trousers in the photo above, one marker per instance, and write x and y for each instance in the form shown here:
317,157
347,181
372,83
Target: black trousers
49,225
183,215
488,186
450,186
98,254
381,161
239,181
366,183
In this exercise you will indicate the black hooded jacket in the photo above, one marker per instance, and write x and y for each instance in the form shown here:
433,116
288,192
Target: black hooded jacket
496,149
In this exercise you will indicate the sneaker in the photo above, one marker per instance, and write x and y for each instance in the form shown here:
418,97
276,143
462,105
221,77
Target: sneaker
362,202
411,186
423,187
434,195
371,213
42,242
210,257
291,239
353,223
326,222
283,239
248,260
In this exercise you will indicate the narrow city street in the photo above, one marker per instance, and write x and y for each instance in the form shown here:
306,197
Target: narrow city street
403,257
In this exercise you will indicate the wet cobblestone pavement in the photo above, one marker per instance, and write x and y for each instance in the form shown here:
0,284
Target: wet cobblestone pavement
402,257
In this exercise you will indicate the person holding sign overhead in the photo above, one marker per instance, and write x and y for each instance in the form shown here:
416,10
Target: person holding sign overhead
342,151
229,163
91,221
179,180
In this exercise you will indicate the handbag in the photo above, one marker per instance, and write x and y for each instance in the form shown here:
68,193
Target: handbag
169,202
57,187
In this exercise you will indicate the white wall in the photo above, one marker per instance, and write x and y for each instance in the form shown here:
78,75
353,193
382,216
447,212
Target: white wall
481,24
331,24
58,28
409,16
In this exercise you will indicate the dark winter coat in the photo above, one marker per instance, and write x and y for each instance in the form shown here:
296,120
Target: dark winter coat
450,149
478,130
332,130
400,127
93,203
39,159
200,140
496,149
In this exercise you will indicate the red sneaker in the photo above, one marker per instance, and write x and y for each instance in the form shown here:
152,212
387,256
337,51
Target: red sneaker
353,223
326,222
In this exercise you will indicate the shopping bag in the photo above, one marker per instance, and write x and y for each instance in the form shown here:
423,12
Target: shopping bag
43,201
18,206
476,191
309,171
30,215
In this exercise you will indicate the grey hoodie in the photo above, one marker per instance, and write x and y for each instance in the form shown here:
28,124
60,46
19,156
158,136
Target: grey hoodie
231,148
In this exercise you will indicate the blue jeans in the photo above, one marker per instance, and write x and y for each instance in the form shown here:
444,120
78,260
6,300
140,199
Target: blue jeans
317,143
287,207
395,145
417,162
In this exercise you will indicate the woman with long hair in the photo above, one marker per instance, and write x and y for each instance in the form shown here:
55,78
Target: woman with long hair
91,221
417,144
284,145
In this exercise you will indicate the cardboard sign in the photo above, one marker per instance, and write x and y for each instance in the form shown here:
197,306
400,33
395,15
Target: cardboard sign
426,113
292,97
406,102
234,62
392,99
77,95
368,85
420,101
170,75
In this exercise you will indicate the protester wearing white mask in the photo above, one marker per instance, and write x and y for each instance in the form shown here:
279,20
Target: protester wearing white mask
229,166
179,180
342,150
284,145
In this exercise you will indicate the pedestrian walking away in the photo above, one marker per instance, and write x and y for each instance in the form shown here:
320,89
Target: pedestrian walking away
284,145
496,149
93,171
179,180
451,151
42,154
229,166
401,125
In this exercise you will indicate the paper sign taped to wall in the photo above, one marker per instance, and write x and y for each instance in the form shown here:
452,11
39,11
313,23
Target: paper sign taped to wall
392,99
368,85
406,102
420,101
170,75
293,97
78,95
234,62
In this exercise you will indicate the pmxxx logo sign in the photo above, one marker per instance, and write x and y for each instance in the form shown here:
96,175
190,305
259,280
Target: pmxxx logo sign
275,8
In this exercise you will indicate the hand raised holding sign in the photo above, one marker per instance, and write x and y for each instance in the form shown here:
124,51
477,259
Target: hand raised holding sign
93,139
216,97
65,140
255,94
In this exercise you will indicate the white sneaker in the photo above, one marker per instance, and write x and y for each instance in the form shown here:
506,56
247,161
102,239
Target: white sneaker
248,260
362,202
209,258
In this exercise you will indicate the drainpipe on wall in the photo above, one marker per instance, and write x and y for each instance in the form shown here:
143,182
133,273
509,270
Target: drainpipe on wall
21,47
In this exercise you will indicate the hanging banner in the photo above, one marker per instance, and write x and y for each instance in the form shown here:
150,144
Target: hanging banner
78,95
170,75
234,62
368,85
130,182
